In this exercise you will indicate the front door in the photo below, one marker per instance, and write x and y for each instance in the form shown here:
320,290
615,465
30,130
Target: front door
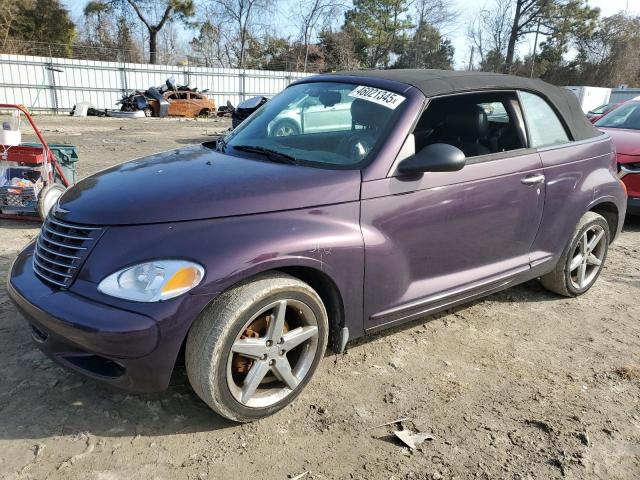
441,237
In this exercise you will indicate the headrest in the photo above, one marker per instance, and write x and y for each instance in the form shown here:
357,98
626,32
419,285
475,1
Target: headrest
368,113
468,121
329,98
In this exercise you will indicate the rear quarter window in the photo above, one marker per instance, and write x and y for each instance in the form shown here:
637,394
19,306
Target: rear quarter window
545,128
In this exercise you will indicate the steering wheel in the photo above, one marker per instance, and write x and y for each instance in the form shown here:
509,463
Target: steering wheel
356,146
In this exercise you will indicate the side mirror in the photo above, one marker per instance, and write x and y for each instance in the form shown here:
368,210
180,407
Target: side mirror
437,157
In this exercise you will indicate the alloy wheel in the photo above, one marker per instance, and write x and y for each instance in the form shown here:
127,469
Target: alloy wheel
588,257
273,353
284,130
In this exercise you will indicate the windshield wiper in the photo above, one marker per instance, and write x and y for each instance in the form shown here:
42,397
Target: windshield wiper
272,155
221,145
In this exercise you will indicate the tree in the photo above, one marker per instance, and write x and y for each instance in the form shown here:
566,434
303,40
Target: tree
8,15
609,55
45,21
269,53
378,28
312,12
106,29
546,17
489,32
241,19
437,13
210,47
427,49
338,50
171,10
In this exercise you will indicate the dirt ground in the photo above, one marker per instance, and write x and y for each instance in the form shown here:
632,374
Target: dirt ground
523,384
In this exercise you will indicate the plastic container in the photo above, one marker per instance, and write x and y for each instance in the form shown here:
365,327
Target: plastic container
24,155
19,199
66,156
11,138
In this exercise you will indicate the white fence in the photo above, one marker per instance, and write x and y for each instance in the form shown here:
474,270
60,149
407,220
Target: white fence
55,85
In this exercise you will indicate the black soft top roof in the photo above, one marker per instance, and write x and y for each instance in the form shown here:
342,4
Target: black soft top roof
441,82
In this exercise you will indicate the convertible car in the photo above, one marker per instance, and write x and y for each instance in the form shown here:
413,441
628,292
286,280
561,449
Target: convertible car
389,195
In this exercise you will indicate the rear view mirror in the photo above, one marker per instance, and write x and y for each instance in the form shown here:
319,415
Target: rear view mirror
437,157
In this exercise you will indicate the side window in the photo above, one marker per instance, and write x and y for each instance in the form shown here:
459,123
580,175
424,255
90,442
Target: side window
545,128
476,123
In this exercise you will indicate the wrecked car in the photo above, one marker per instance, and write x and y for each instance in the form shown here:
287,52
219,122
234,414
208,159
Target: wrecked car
169,100
244,109
254,253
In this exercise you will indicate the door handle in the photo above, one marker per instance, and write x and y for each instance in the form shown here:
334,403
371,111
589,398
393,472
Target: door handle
533,179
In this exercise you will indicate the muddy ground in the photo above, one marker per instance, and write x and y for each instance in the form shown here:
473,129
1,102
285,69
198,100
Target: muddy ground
523,384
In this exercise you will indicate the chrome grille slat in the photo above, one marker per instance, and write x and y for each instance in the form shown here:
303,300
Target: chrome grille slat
51,252
60,250
50,280
50,270
70,237
63,265
55,221
58,244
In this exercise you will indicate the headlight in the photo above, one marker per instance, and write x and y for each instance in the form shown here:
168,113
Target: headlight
153,281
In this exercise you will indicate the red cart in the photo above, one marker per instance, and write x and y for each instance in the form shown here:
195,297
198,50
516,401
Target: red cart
31,179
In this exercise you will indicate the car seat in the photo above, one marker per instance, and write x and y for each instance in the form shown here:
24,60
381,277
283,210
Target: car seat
466,128
357,144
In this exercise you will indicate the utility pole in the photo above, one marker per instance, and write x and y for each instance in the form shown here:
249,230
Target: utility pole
470,68
535,47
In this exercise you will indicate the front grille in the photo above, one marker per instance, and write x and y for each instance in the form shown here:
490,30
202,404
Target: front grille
60,250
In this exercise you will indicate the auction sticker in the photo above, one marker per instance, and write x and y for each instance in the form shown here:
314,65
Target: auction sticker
376,95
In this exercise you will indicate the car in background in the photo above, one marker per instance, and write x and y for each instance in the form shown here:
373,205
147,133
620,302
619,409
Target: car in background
185,103
623,126
599,112
308,115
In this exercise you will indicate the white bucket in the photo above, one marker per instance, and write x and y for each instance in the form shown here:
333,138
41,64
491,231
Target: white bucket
12,138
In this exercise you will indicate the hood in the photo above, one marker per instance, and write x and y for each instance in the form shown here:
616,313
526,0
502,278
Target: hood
627,142
196,183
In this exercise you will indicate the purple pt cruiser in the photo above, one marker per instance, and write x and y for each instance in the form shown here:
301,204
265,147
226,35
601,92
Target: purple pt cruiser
347,204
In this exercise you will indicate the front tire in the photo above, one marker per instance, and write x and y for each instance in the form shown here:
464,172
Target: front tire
48,198
285,128
582,260
255,348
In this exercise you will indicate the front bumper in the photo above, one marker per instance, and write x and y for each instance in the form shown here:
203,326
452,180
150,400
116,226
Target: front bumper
629,173
127,349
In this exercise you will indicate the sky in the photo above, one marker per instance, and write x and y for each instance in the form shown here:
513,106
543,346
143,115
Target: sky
455,32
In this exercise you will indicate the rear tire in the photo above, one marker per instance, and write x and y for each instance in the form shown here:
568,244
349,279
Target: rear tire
583,258
262,380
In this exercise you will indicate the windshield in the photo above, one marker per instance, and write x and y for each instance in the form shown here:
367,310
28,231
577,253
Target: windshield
625,116
324,124
601,109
